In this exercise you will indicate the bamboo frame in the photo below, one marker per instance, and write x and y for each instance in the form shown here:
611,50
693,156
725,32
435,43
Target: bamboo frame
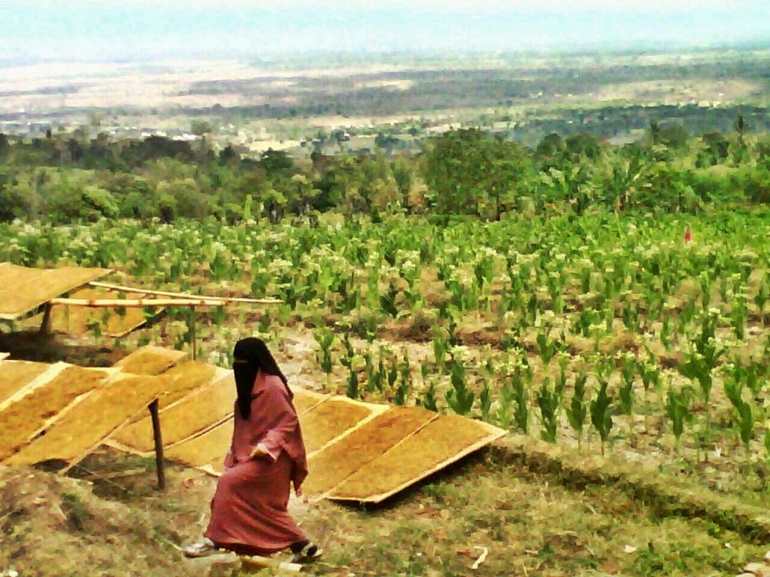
138,303
120,288
76,321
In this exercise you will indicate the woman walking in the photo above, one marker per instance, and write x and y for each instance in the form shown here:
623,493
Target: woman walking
249,510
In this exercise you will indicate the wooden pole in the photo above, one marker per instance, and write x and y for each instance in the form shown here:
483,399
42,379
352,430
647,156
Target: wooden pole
192,336
45,327
159,462
126,289
137,303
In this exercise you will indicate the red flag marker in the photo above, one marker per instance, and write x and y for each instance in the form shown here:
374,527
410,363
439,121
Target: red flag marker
688,235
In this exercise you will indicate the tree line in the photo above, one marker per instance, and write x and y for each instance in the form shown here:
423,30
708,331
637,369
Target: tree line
68,178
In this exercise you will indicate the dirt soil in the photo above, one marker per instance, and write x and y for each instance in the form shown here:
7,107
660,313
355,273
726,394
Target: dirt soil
529,522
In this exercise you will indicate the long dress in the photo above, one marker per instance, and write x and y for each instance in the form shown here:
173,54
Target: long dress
249,509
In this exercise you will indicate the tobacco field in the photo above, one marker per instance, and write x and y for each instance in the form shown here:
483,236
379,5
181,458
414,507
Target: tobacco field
625,336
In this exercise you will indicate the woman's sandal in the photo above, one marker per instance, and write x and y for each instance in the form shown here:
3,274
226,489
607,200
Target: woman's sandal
307,554
202,548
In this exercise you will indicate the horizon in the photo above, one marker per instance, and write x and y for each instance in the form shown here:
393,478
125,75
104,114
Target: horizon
82,30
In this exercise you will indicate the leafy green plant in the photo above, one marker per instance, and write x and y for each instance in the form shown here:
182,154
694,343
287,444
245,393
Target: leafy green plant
761,298
546,347
352,390
388,300
739,315
746,421
404,382
440,349
505,405
521,413
377,375
626,392
701,362
650,374
485,400
601,418
326,339
577,410
549,401
429,399
678,411
459,397
392,373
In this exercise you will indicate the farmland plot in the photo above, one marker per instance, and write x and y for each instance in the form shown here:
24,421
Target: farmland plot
615,334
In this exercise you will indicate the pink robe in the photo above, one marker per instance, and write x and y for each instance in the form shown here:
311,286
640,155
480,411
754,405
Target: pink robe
249,509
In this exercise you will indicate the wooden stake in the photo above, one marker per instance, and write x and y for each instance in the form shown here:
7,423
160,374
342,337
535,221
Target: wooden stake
126,289
45,327
159,463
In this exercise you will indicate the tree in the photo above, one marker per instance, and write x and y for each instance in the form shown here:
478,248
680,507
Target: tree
201,128
474,173
277,162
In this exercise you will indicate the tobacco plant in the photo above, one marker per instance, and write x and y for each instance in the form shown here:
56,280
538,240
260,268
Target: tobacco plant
601,417
549,401
459,397
521,413
577,410
678,411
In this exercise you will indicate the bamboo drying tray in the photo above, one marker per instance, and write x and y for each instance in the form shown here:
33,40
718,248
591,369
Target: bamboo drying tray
191,416
23,290
440,443
15,375
330,419
80,430
305,400
205,451
38,409
150,360
342,458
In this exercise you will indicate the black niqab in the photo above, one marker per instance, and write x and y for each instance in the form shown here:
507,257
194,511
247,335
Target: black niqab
250,356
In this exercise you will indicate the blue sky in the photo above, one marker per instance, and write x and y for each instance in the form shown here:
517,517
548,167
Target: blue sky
82,29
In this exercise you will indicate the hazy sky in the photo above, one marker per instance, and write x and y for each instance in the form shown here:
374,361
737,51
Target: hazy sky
83,29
